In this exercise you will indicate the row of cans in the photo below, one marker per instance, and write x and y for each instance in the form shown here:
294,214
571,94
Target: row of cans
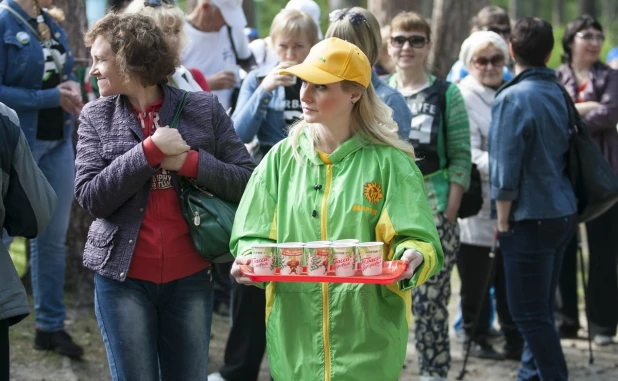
346,256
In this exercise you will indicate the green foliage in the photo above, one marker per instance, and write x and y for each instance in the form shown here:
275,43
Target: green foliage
18,254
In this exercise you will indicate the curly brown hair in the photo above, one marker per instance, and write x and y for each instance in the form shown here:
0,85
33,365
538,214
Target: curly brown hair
140,47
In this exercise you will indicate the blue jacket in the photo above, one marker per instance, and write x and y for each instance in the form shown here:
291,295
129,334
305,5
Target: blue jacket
21,71
528,146
261,113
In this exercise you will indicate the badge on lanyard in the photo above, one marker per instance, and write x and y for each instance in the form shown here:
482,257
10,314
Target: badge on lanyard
23,37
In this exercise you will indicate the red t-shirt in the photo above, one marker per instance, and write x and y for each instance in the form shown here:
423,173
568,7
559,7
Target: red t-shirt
164,250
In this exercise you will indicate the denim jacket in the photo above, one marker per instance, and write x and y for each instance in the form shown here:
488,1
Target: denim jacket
528,146
261,113
402,114
21,71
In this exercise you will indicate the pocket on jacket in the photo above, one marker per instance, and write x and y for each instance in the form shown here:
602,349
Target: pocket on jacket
99,244
19,55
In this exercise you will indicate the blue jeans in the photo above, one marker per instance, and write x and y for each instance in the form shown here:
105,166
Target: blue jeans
156,331
56,159
533,252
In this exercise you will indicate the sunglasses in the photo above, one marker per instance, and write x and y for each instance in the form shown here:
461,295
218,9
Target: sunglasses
589,36
414,41
481,62
354,17
506,31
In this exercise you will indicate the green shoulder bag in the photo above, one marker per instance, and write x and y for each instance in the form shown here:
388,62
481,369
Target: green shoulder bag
210,219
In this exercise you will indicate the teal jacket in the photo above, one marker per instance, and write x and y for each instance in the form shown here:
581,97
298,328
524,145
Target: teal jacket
329,331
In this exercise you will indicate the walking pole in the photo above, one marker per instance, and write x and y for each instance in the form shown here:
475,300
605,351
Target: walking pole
580,253
492,256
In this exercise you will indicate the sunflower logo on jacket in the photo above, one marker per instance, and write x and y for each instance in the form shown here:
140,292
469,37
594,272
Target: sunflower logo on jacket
373,192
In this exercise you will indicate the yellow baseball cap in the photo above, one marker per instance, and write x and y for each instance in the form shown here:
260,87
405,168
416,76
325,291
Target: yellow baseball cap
333,60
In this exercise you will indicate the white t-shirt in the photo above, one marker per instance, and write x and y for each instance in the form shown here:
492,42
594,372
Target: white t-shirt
211,53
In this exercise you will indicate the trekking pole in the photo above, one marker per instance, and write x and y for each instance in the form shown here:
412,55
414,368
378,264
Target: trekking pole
492,256
585,286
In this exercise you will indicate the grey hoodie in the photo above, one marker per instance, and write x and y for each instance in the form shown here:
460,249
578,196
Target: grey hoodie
26,207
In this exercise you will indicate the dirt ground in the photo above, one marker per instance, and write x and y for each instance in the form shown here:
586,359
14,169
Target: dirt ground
30,365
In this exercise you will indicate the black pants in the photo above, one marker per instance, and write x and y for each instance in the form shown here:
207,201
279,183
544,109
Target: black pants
247,341
473,264
566,311
602,300
4,350
222,283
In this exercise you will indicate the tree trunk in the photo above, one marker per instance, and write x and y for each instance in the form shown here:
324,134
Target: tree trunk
426,8
385,10
588,7
516,9
341,4
450,26
77,277
557,12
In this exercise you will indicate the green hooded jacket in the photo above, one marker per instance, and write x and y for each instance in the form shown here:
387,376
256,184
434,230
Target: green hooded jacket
338,331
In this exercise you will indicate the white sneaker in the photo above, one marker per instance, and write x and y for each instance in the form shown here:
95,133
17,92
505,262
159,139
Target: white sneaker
603,340
215,377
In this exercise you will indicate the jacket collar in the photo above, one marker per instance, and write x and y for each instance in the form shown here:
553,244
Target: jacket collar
123,115
356,142
533,73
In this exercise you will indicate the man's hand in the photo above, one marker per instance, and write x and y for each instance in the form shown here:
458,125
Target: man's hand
586,107
222,80
413,259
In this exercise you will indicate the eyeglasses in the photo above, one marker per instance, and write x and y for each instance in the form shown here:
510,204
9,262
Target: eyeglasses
157,3
506,31
354,17
414,41
589,36
481,62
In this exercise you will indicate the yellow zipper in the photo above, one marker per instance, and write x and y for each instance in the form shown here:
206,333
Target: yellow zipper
324,234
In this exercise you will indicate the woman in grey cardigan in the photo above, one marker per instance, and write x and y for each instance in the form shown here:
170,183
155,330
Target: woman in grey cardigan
153,291
593,86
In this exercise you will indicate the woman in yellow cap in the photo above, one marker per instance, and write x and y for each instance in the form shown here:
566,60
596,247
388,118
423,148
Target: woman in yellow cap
341,173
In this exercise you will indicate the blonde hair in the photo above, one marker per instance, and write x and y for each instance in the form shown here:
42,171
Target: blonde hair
167,17
371,118
291,22
365,34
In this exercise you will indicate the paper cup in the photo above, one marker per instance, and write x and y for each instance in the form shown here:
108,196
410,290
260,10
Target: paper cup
354,241
371,254
290,259
264,259
344,257
317,256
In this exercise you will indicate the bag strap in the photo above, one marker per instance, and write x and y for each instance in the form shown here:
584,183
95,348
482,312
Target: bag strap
229,33
574,118
26,23
181,105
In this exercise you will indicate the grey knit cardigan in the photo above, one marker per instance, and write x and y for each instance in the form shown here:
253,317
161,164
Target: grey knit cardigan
113,178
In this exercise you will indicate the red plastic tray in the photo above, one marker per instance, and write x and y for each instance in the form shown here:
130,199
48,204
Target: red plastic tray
391,270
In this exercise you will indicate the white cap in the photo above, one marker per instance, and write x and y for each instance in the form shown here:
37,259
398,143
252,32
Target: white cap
232,12
311,8
478,39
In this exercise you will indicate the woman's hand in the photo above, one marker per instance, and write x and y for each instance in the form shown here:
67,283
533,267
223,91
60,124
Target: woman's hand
237,274
274,79
169,141
503,226
413,259
175,162
586,107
